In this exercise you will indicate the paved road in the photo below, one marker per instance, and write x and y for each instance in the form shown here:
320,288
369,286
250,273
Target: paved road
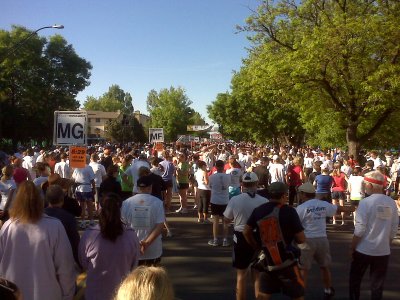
200,271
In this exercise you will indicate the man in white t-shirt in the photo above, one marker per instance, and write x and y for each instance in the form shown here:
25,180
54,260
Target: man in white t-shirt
376,226
84,191
145,213
313,213
99,174
133,171
239,210
276,170
219,184
62,168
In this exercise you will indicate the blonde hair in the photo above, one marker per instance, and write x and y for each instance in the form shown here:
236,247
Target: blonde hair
146,283
28,205
7,173
297,161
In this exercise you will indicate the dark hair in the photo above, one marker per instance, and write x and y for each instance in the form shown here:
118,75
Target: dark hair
219,164
110,222
112,169
8,290
54,194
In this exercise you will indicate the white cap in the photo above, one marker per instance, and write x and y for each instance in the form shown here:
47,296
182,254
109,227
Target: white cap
249,177
275,157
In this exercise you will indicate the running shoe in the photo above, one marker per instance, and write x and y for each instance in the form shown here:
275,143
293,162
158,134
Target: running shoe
225,243
169,233
213,243
328,296
179,210
183,211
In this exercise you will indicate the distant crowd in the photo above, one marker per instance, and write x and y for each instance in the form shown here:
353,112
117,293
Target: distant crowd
278,201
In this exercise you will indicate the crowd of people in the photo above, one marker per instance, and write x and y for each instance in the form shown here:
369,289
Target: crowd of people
278,201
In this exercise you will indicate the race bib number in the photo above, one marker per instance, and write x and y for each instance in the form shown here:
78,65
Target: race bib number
141,217
383,212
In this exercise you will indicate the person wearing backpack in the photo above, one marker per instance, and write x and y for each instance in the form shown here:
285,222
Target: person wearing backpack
278,227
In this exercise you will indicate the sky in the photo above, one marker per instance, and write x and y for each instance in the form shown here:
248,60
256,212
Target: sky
142,45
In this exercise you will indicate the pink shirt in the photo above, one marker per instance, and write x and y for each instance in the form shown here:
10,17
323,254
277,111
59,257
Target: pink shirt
339,183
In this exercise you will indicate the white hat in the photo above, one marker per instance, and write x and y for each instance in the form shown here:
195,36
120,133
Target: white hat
306,188
275,157
249,177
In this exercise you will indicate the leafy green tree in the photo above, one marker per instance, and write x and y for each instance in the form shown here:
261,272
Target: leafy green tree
336,61
251,113
170,109
40,76
113,100
126,129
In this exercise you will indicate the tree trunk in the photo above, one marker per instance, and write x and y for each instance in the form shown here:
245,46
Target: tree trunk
353,142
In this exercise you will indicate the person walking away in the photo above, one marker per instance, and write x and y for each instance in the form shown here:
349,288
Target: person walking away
35,251
339,187
376,226
313,213
204,191
62,168
99,175
145,214
356,189
182,177
294,177
99,246
55,199
239,210
277,226
219,184
85,191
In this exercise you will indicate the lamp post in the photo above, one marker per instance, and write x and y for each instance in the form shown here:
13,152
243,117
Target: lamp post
19,44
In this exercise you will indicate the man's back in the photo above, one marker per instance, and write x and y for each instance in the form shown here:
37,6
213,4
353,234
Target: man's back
376,224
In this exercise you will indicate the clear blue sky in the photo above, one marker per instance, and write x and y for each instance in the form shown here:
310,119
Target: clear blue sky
146,44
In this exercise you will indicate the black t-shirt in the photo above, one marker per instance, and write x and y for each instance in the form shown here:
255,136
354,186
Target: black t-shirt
158,186
289,220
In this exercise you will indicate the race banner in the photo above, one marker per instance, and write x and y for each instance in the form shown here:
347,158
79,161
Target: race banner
198,127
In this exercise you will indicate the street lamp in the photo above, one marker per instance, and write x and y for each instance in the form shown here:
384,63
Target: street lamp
17,45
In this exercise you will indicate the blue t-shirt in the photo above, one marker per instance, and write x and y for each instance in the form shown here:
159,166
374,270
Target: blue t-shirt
324,183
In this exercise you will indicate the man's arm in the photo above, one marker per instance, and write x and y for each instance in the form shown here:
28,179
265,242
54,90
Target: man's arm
144,244
300,237
248,235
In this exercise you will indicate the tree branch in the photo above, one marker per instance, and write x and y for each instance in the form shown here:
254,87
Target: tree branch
377,125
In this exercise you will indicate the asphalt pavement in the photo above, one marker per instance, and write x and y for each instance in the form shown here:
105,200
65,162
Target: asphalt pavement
199,271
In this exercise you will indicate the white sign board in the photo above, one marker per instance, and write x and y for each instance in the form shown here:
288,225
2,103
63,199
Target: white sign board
156,135
70,128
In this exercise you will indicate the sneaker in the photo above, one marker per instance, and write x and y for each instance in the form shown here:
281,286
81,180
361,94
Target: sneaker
184,211
328,296
225,243
82,225
334,222
179,210
169,233
200,220
342,223
213,243
195,206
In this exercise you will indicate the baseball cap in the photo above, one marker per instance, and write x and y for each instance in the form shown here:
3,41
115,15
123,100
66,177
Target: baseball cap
249,177
20,175
277,188
144,181
275,157
307,188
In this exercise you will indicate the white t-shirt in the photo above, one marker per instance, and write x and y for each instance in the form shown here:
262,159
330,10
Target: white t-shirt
312,214
355,186
236,174
219,184
308,162
240,208
133,171
28,163
99,172
200,177
376,223
277,172
84,176
62,168
143,212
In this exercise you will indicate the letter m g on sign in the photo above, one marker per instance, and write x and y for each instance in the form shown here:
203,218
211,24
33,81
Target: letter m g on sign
69,128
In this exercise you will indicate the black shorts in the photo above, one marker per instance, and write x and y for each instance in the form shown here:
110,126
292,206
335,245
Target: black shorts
338,195
183,186
287,281
217,210
242,254
355,202
169,184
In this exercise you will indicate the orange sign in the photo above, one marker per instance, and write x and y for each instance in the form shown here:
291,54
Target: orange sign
77,156
159,147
